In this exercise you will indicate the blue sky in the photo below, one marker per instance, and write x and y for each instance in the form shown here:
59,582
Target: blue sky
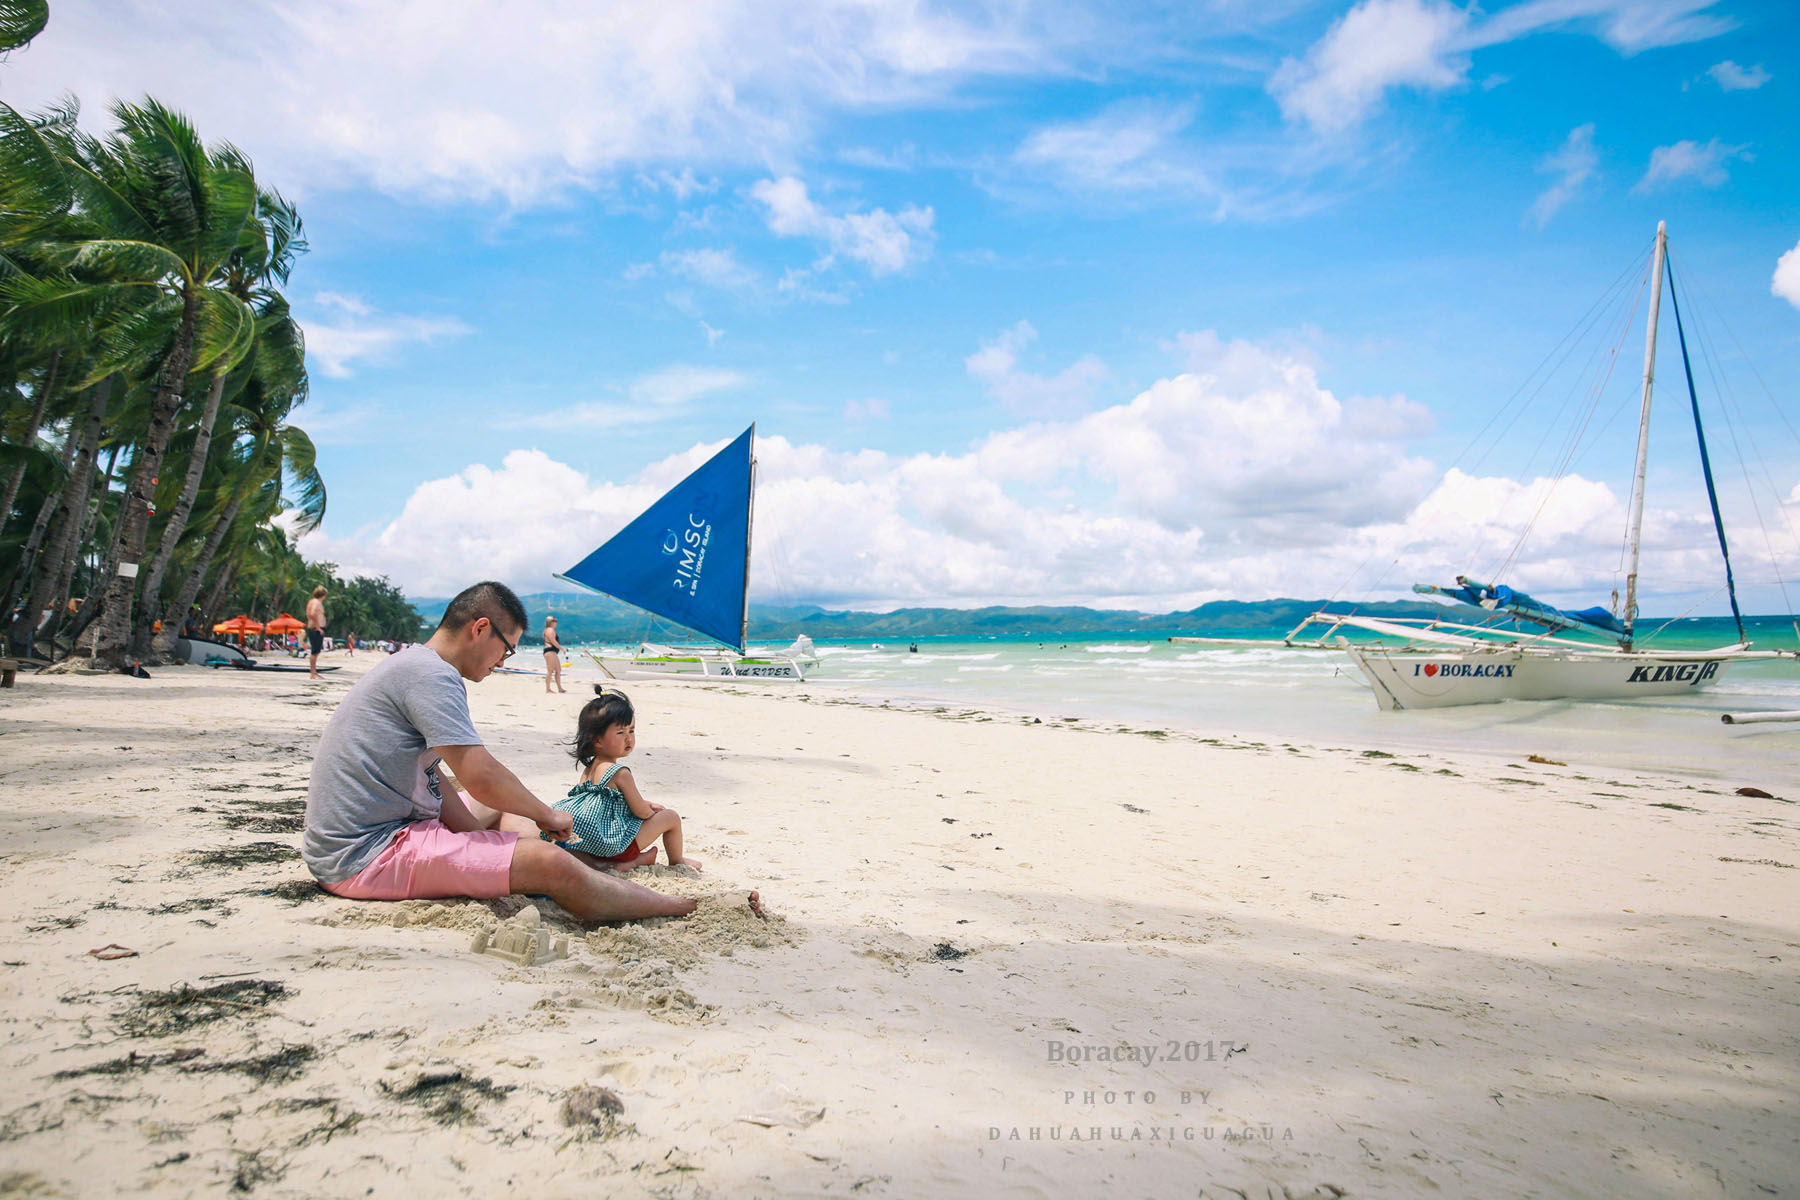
1124,304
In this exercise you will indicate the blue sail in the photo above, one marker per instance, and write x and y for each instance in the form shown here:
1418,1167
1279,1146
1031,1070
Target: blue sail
687,558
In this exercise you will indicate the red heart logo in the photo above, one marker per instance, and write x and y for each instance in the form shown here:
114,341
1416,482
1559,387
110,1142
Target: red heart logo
1430,668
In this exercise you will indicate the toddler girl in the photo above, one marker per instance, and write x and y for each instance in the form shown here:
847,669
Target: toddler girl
614,825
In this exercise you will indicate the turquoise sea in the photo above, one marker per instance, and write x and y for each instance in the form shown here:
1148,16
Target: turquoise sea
1316,697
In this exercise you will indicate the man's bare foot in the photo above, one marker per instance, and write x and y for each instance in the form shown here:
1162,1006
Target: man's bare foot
756,906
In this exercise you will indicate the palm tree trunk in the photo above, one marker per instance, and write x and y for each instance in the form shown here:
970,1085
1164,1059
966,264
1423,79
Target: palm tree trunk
90,605
184,599
62,549
111,641
177,522
221,588
31,567
30,439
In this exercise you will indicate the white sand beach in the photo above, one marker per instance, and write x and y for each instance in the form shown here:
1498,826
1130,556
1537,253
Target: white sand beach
1001,958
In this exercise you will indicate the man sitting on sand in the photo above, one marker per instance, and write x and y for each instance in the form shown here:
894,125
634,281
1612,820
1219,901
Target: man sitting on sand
382,824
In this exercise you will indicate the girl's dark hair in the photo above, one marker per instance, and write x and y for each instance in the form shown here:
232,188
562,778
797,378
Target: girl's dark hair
598,716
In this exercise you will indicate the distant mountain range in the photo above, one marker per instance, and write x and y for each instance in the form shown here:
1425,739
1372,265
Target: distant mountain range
587,618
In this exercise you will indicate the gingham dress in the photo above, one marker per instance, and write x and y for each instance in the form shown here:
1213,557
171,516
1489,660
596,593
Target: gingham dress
604,822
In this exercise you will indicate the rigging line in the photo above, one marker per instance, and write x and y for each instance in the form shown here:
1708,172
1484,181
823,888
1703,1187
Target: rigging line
1572,338
1728,404
1571,439
1577,433
1600,309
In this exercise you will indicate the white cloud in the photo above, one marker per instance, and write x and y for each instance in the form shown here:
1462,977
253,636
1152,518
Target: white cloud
712,267
361,335
712,335
1629,26
871,408
1380,45
1732,78
354,305
1131,146
883,242
518,99
1377,45
1690,160
1068,392
1573,165
1242,478
648,399
1786,281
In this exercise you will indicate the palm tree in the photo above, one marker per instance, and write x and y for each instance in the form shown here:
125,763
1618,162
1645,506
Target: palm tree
264,255
20,21
264,449
173,215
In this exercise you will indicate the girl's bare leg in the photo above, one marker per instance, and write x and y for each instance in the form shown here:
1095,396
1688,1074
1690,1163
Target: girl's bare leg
667,826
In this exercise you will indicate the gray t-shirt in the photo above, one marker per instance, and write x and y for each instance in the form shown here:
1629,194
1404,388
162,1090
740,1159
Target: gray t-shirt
374,772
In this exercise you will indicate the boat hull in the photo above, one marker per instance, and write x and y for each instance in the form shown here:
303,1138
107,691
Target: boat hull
701,667
1403,679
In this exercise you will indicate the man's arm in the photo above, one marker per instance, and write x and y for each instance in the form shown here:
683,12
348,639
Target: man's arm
488,781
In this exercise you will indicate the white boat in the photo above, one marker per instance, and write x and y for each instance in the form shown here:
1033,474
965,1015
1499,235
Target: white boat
653,661
687,559
1439,663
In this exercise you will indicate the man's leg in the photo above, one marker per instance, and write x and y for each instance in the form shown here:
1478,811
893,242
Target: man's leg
589,895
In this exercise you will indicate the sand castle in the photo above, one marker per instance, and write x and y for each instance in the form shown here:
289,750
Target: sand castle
522,940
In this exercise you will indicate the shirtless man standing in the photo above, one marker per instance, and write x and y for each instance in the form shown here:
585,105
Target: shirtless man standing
385,822
315,631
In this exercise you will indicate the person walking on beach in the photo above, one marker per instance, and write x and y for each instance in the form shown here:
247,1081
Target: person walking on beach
315,631
552,655
614,826
384,823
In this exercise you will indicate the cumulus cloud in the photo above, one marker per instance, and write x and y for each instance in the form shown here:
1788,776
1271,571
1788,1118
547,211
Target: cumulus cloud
1786,281
1732,78
1241,477
1690,160
1573,165
883,242
360,334
996,364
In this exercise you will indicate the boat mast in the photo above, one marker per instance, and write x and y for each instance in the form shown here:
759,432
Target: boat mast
1634,530
749,526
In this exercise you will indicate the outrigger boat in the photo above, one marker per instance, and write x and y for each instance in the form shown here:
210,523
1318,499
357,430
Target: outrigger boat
1442,662
687,559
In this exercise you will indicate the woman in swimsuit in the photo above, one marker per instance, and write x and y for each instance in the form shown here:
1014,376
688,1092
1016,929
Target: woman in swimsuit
552,653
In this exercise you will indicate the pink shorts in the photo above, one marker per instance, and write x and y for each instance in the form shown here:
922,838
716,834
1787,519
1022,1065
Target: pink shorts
426,861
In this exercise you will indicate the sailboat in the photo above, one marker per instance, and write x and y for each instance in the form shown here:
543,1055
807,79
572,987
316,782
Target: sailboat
686,559
1439,663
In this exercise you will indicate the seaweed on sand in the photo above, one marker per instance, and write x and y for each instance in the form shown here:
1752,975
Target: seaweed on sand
161,1014
294,891
252,853
445,1095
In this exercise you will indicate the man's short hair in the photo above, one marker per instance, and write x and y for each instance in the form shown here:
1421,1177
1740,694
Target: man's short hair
488,599
319,592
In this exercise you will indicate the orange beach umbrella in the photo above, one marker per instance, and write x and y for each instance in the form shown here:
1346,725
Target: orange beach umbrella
238,625
285,623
